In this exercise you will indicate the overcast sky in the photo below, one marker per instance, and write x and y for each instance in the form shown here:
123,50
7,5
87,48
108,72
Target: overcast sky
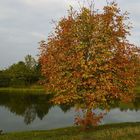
23,23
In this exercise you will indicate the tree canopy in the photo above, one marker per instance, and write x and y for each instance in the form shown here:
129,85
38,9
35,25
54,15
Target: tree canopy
22,73
88,60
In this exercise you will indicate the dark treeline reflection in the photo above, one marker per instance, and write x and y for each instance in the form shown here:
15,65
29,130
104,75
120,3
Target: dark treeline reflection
28,106
31,106
133,106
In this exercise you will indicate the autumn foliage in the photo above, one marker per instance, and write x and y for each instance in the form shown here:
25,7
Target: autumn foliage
88,60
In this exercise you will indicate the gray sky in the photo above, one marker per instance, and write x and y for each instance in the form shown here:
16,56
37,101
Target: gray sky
23,23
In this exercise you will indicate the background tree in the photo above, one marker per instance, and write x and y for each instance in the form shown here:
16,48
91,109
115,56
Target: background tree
17,73
89,62
4,79
22,73
33,73
30,62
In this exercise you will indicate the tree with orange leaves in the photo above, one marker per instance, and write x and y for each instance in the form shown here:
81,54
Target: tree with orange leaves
89,62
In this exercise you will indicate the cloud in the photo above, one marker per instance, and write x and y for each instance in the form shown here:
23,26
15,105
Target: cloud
38,3
38,35
46,3
23,23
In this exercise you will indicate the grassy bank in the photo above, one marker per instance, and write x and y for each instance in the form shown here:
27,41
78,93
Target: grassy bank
22,90
40,89
123,131
137,91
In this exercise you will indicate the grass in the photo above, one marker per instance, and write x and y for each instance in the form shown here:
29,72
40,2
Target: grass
38,88
122,131
137,90
22,90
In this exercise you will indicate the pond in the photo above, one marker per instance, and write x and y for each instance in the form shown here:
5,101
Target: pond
22,112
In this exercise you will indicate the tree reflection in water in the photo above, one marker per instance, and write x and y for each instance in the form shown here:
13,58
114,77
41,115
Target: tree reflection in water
28,105
31,106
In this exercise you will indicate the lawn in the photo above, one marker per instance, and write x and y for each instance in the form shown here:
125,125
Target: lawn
137,91
22,90
122,131
40,89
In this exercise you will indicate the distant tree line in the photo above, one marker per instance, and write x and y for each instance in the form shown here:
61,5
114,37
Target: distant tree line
20,74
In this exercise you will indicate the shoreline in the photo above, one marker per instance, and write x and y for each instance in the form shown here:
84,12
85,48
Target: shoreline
22,90
38,90
117,131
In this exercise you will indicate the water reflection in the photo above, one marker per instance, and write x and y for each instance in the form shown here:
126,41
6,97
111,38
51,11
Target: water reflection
28,106
34,107
133,106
